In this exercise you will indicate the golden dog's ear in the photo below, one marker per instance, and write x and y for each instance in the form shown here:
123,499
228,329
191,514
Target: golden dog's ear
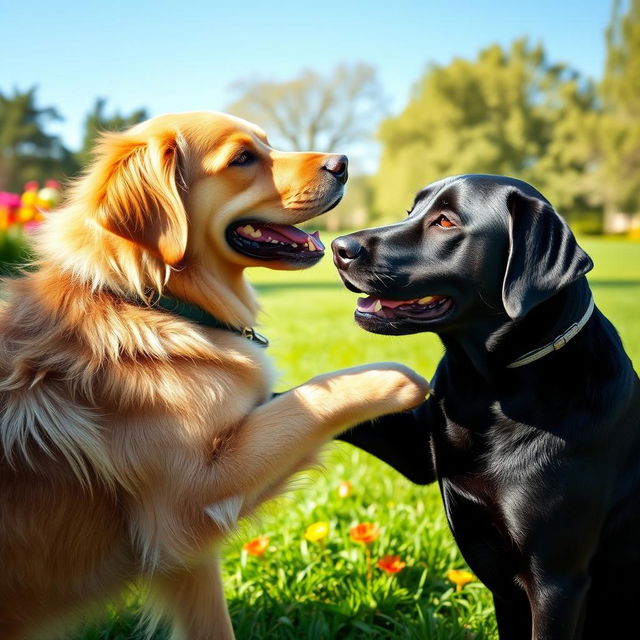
138,196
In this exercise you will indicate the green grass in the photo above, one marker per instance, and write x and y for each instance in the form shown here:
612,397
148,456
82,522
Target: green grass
302,590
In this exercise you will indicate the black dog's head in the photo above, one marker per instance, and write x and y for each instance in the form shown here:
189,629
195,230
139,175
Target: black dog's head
472,245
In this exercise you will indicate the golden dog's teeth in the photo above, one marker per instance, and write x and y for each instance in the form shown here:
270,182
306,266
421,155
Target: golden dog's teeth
294,245
312,247
426,300
377,306
250,231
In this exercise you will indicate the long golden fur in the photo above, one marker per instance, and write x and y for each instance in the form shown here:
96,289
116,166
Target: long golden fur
132,439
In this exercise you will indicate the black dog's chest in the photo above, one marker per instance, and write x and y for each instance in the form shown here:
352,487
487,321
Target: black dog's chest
481,458
472,485
460,454
462,435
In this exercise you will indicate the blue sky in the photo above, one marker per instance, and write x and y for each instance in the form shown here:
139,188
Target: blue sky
183,56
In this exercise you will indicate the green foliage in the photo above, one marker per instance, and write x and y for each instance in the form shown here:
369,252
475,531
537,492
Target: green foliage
507,112
97,121
300,590
14,251
616,183
354,209
27,151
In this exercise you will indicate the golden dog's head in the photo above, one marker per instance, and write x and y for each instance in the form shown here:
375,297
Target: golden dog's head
189,200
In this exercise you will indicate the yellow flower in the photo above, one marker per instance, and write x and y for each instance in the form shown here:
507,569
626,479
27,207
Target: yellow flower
460,577
257,546
317,531
344,489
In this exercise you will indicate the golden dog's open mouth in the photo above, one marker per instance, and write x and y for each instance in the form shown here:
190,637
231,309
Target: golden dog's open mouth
270,241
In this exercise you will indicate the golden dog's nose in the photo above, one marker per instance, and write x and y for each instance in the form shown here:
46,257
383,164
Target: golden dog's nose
337,165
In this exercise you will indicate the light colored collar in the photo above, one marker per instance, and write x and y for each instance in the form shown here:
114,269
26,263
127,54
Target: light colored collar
556,344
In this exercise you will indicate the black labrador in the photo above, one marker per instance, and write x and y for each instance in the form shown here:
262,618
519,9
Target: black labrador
533,431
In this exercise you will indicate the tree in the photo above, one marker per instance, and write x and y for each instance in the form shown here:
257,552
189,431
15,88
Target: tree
617,179
27,151
353,211
314,112
97,121
501,113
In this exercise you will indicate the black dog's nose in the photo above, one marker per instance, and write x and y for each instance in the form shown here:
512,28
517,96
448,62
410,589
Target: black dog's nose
337,165
345,250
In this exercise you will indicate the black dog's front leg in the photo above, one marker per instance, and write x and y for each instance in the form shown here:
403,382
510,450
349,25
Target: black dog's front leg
401,440
557,607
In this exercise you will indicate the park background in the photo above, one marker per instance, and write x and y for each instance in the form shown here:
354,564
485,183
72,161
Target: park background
412,91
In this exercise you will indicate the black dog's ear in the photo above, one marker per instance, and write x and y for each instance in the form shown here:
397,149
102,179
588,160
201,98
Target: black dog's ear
544,256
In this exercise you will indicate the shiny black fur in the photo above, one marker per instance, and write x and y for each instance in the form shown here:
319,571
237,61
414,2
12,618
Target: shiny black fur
539,466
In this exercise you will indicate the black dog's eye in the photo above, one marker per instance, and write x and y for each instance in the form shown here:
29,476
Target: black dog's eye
243,159
443,221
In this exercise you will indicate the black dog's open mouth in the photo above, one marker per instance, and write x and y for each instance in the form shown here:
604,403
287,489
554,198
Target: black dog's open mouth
420,309
268,241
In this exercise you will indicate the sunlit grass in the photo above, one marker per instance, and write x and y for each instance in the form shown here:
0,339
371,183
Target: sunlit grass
301,589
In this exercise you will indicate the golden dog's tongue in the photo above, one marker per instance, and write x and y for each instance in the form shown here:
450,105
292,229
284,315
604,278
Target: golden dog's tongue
276,233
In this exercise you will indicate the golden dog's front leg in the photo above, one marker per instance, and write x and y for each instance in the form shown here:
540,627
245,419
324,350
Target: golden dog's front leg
193,600
278,435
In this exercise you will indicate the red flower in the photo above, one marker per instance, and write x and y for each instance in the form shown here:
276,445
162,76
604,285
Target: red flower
391,564
257,546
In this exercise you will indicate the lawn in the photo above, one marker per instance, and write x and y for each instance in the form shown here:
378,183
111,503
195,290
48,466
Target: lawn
320,590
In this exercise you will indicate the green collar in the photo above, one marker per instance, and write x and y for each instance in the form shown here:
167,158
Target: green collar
197,314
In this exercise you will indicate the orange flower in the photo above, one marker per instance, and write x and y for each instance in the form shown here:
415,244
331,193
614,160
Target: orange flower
460,577
365,532
344,489
257,546
391,564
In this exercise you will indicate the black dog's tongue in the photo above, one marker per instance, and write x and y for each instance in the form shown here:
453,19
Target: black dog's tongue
371,304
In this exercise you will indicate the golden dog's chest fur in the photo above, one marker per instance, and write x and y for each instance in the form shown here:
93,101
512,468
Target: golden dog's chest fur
155,413
132,439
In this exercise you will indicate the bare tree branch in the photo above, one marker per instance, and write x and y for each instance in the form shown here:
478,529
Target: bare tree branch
312,111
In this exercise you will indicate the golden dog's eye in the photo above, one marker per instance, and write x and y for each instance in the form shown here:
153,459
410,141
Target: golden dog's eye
242,159
443,221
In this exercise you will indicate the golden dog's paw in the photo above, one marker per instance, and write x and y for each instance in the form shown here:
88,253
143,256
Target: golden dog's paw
397,386
377,389
350,396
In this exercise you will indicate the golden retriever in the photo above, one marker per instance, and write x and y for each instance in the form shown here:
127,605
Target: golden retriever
133,437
